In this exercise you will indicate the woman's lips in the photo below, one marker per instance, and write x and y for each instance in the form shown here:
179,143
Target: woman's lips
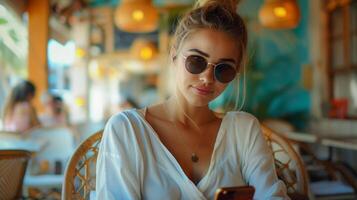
202,91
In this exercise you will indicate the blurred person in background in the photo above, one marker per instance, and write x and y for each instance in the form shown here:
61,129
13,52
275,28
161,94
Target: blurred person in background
55,113
19,114
127,103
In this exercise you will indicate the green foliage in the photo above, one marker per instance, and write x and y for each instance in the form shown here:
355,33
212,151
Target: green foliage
12,33
3,21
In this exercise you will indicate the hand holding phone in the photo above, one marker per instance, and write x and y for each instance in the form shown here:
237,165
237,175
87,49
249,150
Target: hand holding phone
235,193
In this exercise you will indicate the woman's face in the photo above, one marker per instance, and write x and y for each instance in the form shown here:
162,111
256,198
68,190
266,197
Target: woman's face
216,47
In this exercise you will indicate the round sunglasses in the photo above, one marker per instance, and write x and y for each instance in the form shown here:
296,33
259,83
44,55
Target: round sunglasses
223,72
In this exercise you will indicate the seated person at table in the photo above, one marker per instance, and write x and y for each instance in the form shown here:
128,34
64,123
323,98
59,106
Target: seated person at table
19,114
55,113
180,149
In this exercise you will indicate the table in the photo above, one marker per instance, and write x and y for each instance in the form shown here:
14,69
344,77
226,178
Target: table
301,137
14,144
343,142
331,142
44,180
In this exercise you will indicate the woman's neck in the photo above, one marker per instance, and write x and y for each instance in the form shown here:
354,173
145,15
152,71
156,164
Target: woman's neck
186,114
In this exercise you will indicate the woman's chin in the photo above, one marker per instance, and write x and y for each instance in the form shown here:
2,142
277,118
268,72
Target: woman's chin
199,101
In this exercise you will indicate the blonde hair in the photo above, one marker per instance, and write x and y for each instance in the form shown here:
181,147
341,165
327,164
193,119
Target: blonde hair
231,4
219,15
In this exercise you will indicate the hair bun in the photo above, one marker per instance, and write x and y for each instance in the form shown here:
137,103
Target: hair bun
231,5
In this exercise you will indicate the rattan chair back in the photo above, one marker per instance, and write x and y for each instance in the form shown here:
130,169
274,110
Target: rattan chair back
81,170
13,164
289,165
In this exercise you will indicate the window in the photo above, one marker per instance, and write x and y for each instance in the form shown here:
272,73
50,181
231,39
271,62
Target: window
342,56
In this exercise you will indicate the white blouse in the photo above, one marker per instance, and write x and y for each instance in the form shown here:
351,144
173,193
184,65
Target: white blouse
134,164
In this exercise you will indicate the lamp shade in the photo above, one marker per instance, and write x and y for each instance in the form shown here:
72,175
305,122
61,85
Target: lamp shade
144,50
279,14
136,16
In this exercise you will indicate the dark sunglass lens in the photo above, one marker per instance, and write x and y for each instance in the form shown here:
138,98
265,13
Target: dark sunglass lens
225,73
195,64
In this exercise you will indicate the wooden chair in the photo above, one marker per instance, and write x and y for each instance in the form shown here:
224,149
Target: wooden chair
81,170
335,180
13,165
328,179
57,146
289,165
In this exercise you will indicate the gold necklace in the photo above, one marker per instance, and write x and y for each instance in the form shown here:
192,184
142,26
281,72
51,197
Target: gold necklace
194,156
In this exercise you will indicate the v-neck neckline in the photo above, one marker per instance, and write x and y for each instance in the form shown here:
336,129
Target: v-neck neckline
202,183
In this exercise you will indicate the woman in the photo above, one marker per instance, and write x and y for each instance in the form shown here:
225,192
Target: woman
180,149
19,114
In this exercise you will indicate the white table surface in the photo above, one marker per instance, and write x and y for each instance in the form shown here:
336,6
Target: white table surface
12,144
301,137
44,181
343,142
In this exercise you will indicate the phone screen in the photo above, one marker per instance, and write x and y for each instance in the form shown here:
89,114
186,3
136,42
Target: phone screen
235,193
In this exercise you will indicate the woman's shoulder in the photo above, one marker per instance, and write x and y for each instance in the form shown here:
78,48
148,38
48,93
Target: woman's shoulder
243,123
241,116
123,118
22,106
243,127
121,126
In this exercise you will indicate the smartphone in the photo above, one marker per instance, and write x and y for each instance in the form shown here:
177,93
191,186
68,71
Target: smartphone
235,193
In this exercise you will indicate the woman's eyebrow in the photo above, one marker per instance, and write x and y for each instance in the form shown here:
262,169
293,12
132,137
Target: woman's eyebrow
206,55
200,52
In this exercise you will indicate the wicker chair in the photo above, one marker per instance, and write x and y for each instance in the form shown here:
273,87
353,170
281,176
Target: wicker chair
81,170
13,165
289,165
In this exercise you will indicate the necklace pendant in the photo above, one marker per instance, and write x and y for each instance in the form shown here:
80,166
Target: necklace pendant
194,158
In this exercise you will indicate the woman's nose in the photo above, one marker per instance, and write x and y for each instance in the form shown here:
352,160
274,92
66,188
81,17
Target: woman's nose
207,76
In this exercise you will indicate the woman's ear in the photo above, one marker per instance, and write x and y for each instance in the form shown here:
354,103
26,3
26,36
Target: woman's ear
173,54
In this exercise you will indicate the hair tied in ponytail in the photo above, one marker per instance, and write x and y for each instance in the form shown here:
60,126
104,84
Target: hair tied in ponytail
231,5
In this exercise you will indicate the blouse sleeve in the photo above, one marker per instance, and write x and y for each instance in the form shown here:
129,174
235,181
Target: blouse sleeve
117,176
258,166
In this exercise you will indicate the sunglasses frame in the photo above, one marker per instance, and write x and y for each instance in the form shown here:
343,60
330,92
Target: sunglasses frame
214,67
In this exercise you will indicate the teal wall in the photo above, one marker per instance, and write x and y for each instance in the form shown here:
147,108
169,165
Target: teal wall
274,71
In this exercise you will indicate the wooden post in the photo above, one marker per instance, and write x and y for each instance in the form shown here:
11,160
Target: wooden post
38,12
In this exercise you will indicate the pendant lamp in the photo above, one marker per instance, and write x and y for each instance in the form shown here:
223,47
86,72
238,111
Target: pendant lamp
136,16
143,49
279,14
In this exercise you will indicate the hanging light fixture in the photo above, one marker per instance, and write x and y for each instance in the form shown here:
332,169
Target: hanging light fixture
143,49
136,16
279,14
